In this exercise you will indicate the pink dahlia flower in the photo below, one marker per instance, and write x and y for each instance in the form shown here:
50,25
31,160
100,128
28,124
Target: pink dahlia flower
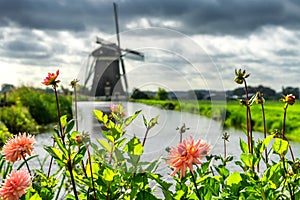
18,147
51,79
15,185
186,154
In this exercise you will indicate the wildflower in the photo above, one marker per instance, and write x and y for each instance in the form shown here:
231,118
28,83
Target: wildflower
289,99
51,79
78,138
240,76
118,110
259,98
186,154
74,83
15,185
17,147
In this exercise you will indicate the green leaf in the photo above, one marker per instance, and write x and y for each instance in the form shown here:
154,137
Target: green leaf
248,159
234,178
57,155
153,165
108,174
163,185
79,155
36,196
131,118
27,159
99,115
244,146
134,147
266,142
153,122
145,121
60,145
63,121
280,146
105,145
70,126
119,143
145,195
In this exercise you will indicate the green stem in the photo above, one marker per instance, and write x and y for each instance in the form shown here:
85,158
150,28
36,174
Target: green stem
72,179
283,130
224,152
247,118
51,161
60,187
284,118
58,116
91,169
26,163
195,184
75,102
265,131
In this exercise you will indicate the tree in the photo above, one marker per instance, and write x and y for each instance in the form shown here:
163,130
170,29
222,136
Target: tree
161,94
291,90
137,94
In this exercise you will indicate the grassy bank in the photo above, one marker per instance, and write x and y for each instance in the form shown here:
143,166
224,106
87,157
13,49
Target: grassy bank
235,114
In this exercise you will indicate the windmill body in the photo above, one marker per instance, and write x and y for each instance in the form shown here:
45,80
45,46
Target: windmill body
107,60
106,81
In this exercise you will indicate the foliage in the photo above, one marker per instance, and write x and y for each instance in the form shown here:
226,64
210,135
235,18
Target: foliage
42,105
112,166
161,94
17,119
4,134
138,94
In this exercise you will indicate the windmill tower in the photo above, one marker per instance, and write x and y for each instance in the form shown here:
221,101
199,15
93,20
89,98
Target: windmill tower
105,67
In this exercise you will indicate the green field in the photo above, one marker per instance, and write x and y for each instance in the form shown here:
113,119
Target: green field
235,114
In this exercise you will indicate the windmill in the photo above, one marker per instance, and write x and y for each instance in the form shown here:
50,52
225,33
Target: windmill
105,66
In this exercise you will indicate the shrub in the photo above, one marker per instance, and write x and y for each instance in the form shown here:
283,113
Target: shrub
18,119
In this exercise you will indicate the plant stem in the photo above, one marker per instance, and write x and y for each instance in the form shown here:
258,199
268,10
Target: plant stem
60,187
195,184
72,178
51,161
284,118
58,116
224,152
283,130
91,169
75,102
145,137
26,163
265,131
248,124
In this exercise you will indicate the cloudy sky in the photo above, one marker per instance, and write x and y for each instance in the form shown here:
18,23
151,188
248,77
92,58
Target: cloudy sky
187,44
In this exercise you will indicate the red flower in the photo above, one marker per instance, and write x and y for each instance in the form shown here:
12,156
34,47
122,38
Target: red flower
17,147
15,185
51,79
289,99
186,154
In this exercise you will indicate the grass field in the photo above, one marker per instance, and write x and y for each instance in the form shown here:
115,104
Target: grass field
234,115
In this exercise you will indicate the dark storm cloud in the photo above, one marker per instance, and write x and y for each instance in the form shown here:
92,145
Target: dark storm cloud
193,17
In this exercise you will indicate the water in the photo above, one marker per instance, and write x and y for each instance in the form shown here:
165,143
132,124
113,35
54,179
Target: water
163,135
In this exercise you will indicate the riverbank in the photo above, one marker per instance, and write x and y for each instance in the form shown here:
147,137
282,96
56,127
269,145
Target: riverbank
233,114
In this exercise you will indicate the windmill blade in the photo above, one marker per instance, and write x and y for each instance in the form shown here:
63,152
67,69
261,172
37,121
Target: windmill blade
119,45
90,70
135,54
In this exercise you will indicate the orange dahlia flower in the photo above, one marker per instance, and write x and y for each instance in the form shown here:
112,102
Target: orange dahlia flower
186,154
51,79
18,147
15,185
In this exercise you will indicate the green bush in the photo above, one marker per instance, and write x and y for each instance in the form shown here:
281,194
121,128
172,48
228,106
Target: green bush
42,105
18,119
4,134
